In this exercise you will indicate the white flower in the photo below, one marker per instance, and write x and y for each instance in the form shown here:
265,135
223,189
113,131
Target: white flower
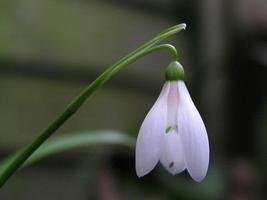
174,134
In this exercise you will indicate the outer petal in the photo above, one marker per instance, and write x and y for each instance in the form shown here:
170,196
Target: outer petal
193,136
172,156
149,140
172,104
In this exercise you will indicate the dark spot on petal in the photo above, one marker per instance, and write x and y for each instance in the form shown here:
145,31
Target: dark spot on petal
168,129
171,164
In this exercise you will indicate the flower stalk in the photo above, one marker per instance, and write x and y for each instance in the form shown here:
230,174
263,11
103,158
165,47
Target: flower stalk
16,162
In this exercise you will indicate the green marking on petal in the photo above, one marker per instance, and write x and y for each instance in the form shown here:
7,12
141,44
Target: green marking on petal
168,129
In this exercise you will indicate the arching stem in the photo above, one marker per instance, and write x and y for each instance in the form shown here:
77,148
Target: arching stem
15,162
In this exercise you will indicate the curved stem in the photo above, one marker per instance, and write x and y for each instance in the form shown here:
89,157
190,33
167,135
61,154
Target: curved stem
172,50
15,163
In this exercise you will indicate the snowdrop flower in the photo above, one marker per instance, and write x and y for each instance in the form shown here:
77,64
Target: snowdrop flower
173,132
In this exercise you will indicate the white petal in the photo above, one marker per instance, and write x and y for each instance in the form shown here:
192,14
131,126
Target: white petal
172,156
172,104
193,136
149,140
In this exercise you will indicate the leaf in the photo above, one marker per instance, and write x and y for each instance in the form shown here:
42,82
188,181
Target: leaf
75,140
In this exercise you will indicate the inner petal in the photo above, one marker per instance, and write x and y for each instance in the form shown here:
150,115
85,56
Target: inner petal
172,107
172,154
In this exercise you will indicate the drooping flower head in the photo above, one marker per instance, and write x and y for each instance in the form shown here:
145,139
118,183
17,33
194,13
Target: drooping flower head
173,131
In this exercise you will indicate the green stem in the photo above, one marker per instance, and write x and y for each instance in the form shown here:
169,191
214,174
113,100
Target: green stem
143,50
168,47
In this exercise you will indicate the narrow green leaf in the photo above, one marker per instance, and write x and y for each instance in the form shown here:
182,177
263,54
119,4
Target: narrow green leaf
73,141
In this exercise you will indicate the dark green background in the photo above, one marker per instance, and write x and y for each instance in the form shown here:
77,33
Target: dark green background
51,49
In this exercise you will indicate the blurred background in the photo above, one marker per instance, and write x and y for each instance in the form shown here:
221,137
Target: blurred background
51,49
